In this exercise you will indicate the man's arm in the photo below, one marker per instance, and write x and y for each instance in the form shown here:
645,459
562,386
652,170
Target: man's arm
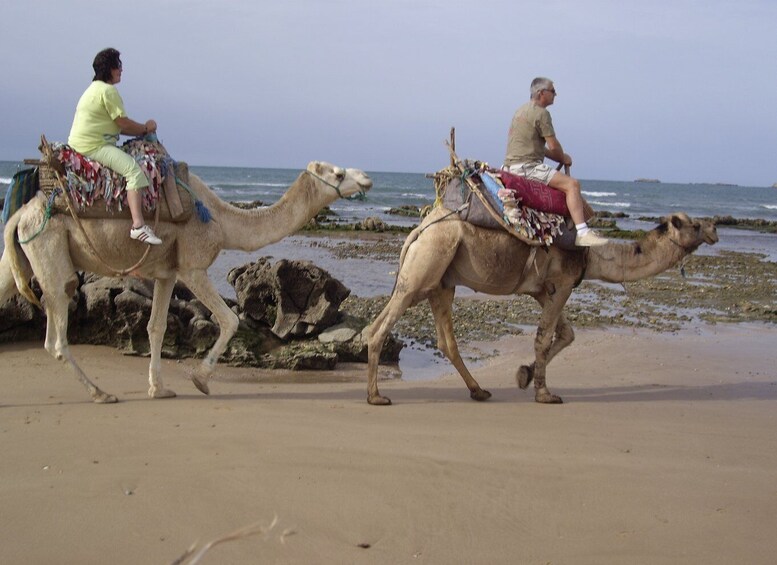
555,152
131,127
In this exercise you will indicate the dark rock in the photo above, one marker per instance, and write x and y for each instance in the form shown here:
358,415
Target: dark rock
281,308
406,210
296,297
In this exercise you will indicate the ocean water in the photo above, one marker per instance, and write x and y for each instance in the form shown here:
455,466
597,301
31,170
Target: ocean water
637,199
395,189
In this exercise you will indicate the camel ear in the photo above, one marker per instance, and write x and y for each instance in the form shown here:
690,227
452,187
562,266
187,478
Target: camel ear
319,168
677,222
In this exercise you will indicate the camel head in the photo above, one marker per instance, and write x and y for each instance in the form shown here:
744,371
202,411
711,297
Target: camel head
345,182
687,232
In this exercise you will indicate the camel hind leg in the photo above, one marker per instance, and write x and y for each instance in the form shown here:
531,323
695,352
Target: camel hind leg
441,302
416,277
378,331
7,283
57,292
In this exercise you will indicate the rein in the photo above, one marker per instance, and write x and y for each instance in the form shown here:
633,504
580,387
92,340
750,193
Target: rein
358,196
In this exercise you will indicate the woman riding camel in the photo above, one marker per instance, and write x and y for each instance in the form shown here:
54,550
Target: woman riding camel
100,118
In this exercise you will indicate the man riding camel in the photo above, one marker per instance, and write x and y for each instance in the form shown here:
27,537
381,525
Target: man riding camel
532,138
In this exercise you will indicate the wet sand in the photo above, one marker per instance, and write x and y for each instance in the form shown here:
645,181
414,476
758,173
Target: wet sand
664,452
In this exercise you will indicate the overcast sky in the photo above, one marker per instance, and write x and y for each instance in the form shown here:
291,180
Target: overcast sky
682,91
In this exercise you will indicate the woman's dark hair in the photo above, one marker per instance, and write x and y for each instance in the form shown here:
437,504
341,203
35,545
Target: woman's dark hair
104,62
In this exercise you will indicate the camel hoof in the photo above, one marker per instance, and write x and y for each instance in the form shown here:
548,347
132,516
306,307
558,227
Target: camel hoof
103,398
379,400
201,384
547,398
161,393
480,395
525,376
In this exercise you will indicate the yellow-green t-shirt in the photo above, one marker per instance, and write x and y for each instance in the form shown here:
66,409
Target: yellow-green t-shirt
93,124
526,140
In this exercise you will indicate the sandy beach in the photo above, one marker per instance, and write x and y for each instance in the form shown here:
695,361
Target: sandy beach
664,452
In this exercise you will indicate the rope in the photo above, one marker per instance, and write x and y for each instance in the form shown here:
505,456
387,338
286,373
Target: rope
358,196
202,211
450,213
46,216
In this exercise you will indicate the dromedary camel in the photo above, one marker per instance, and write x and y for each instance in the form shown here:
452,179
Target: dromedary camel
187,251
444,252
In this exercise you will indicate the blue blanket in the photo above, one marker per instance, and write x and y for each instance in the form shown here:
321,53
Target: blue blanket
23,187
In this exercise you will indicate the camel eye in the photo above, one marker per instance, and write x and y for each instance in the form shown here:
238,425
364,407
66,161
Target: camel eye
340,175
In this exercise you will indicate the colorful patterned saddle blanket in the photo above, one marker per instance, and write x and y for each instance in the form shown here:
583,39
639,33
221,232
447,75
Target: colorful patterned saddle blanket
98,192
533,211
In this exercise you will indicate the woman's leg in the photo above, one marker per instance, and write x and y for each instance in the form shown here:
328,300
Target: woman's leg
119,161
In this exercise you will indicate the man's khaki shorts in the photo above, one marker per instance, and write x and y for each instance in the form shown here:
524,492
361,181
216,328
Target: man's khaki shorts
533,171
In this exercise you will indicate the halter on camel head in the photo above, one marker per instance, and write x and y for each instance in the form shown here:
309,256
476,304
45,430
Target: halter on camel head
340,176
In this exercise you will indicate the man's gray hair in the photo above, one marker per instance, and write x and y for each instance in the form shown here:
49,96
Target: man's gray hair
538,85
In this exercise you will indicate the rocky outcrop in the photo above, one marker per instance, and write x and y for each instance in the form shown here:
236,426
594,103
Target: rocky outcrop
289,315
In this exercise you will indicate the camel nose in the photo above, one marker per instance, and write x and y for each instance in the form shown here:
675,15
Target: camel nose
711,234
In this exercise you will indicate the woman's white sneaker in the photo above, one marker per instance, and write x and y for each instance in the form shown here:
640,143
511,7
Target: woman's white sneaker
589,239
145,234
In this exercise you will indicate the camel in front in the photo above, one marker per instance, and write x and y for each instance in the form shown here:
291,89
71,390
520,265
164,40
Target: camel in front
444,252
188,250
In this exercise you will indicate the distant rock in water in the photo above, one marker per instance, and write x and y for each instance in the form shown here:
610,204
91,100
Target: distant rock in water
656,181
405,210
248,205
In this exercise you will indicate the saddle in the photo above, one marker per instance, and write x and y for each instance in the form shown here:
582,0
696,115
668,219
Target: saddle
531,211
96,192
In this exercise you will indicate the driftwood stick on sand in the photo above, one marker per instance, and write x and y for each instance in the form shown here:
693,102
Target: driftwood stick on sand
189,557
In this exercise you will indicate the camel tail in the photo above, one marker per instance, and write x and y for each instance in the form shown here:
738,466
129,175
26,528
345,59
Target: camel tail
17,270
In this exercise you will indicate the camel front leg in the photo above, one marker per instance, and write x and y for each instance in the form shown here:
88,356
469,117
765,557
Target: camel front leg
199,283
157,326
441,301
564,336
552,307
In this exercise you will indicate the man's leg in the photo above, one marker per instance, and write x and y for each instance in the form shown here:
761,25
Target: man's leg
570,186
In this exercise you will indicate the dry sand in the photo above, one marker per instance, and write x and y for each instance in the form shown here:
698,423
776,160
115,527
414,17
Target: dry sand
664,452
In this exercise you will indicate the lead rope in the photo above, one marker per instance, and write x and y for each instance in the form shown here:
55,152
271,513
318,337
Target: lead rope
119,272
46,216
